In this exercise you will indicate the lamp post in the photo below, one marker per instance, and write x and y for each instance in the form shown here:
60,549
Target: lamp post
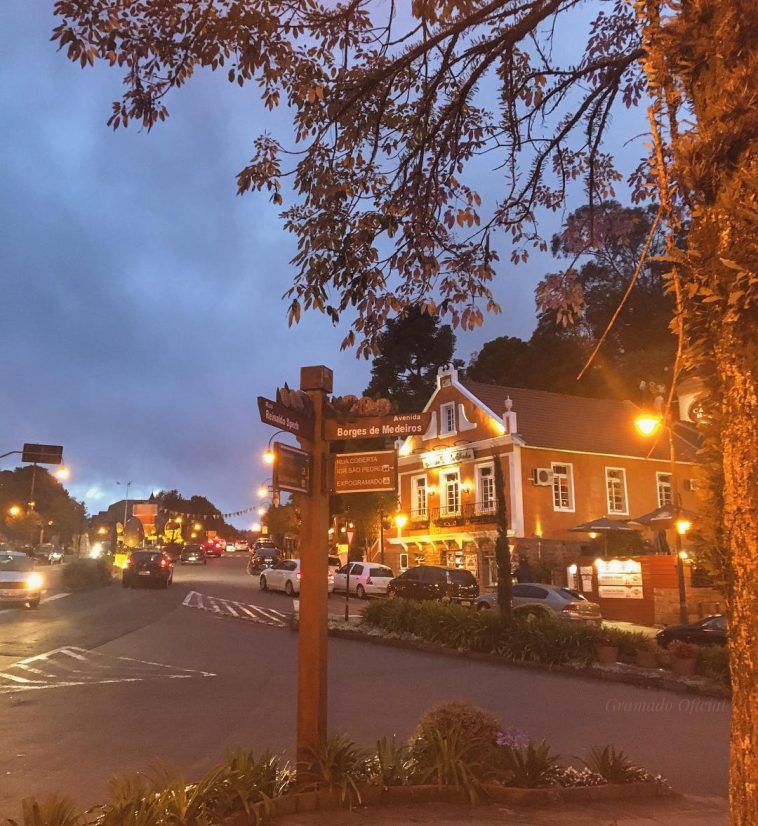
126,504
649,424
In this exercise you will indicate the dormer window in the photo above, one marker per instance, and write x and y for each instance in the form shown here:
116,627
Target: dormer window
447,419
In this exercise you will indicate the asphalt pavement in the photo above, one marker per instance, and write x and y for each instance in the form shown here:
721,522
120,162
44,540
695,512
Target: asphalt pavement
119,679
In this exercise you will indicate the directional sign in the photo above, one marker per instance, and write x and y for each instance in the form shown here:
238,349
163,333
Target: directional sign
350,533
365,472
285,418
42,454
402,424
292,469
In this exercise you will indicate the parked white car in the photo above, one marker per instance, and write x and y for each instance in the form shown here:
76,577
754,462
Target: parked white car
367,579
285,576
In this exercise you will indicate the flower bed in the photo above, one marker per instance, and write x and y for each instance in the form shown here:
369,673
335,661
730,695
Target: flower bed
537,640
456,752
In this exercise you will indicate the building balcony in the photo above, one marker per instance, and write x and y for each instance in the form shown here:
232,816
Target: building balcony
471,512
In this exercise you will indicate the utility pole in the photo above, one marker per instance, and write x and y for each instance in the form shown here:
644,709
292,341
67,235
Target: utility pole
316,382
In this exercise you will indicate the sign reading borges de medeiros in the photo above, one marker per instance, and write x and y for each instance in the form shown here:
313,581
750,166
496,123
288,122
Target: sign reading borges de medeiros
364,472
400,424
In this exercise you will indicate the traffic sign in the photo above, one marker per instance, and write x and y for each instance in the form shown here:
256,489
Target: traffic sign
292,469
364,472
285,418
350,533
42,454
368,427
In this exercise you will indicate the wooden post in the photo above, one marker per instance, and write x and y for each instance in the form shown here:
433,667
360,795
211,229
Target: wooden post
312,640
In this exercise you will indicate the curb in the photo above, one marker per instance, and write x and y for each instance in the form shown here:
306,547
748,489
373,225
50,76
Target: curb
636,678
326,800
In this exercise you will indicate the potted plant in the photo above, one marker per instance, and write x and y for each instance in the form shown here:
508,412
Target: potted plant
606,648
646,653
683,658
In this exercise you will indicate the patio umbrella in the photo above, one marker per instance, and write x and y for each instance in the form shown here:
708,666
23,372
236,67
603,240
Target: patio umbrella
604,526
663,517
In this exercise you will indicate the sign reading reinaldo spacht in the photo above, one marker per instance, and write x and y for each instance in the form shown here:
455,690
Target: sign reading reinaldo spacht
285,418
401,424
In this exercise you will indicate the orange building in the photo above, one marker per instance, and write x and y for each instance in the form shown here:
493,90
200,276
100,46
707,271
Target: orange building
565,460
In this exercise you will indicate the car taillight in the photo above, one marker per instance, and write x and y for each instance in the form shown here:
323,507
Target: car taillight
164,562
298,574
571,608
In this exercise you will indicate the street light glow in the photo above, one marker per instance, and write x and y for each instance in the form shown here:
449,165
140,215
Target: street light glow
647,423
14,510
262,491
197,526
268,456
400,520
682,526
62,473
256,527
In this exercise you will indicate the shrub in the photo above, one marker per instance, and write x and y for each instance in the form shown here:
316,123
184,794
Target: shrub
479,729
245,781
389,765
530,766
338,765
54,810
83,574
713,662
611,764
627,642
548,641
683,650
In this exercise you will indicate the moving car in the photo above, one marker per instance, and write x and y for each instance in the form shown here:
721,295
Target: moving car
48,554
147,567
173,550
263,558
547,600
285,576
192,555
366,579
434,582
213,547
19,582
708,631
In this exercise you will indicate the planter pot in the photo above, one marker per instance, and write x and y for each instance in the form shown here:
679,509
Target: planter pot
683,666
646,659
606,654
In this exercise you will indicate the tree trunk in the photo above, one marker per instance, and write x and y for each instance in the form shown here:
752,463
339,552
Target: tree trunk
710,49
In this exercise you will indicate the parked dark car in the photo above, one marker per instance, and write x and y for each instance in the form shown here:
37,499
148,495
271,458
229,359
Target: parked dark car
147,567
432,582
192,555
262,558
707,631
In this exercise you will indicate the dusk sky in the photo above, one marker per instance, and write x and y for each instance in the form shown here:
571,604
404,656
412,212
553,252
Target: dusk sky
142,310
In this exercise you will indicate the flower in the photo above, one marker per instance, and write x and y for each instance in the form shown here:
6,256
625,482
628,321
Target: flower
513,738
683,650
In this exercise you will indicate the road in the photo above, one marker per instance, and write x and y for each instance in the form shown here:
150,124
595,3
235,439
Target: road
113,680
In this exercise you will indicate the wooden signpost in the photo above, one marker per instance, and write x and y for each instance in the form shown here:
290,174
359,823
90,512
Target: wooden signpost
373,427
364,472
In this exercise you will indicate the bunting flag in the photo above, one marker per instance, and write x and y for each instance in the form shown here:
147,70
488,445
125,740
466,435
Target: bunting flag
174,514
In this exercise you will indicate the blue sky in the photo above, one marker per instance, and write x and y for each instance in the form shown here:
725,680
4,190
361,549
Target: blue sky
142,310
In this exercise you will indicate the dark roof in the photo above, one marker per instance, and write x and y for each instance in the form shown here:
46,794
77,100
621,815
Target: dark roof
562,421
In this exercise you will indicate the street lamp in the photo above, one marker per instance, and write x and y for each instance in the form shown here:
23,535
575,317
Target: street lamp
63,473
14,511
126,502
197,526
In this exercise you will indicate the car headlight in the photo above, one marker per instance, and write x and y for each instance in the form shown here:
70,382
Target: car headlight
34,581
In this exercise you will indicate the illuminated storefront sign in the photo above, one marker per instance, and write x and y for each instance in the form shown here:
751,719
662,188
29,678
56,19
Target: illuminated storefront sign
447,456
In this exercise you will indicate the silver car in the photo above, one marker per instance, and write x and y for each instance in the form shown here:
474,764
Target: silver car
19,582
549,600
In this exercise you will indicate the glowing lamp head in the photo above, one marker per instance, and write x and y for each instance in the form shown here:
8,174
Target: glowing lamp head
261,511
682,526
268,456
647,423
683,555
405,448
197,526
256,527
593,535
401,520
62,473
262,491
14,510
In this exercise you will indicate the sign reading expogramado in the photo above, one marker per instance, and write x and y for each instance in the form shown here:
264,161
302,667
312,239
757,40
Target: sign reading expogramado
364,472
401,424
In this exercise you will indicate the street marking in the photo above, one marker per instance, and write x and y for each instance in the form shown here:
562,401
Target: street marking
56,669
237,610
55,596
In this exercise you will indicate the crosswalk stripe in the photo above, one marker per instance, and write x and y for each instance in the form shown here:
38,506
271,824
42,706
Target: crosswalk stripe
54,669
238,610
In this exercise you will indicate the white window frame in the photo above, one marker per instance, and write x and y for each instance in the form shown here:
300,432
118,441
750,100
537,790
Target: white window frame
480,500
445,409
624,511
416,511
444,482
660,486
570,479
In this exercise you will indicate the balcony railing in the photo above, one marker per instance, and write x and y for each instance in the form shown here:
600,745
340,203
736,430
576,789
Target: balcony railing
469,512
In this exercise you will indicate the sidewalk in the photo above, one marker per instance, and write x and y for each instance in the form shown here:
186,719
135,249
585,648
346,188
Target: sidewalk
685,811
